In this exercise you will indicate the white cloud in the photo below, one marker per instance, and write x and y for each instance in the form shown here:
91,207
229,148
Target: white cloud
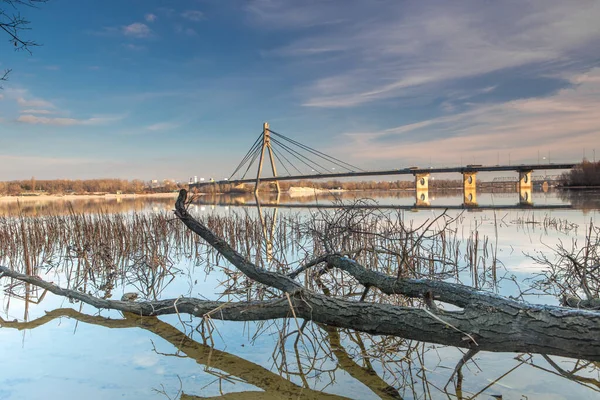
193,15
137,30
185,31
34,103
36,111
150,17
32,119
61,121
162,126
134,47
410,49
1,96
560,125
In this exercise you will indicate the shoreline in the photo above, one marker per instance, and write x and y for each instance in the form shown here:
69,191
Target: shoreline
71,197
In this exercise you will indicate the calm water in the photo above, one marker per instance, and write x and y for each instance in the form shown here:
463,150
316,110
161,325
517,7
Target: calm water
53,348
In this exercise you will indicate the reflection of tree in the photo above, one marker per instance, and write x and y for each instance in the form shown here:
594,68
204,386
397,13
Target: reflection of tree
227,364
581,199
35,206
365,374
228,367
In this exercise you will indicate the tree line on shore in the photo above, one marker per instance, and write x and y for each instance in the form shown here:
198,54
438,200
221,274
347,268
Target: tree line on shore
585,174
86,186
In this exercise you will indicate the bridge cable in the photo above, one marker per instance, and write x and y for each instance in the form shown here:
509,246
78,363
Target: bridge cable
256,153
247,156
252,157
330,159
298,155
293,154
289,162
318,153
249,153
318,169
314,165
281,162
322,155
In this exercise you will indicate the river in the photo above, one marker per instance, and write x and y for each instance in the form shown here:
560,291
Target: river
56,348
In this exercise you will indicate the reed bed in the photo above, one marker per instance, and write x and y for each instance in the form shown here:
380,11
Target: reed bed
546,223
98,251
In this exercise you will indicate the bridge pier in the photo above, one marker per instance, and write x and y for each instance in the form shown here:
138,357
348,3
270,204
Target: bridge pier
470,189
422,181
422,189
525,187
525,179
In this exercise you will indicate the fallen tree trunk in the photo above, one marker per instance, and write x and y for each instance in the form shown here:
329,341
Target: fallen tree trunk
545,330
486,322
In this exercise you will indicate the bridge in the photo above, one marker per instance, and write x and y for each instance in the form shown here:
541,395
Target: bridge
323,166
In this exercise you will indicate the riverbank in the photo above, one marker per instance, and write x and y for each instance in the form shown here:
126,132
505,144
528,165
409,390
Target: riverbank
72,197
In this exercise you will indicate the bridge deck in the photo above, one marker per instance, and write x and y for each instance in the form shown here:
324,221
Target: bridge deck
404,171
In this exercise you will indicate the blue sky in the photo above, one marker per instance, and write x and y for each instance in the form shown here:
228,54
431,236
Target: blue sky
171,89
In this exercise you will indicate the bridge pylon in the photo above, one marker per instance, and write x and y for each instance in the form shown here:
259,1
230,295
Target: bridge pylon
266,145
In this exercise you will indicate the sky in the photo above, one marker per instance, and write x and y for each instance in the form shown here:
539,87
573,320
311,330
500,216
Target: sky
153,89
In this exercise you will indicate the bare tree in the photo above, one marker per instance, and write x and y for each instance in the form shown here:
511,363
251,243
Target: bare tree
13,24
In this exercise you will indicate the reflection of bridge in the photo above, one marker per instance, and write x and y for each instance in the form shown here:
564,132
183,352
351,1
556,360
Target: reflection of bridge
323,166
520,206
535,178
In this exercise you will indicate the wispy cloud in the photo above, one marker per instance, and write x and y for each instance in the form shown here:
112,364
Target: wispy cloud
193,15
23,102
133,46
150,17
185,31
1,96
410,49
34,111
163,126
293,14
559,124
60,121
137,30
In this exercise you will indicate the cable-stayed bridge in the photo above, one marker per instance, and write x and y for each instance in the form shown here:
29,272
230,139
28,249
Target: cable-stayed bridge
302,162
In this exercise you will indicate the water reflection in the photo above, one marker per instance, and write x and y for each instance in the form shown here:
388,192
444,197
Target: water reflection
581,199
31,206
399,199
153,255
416,370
